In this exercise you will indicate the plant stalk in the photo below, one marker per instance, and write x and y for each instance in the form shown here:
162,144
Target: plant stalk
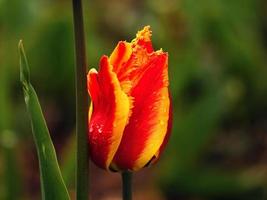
126,185
82,104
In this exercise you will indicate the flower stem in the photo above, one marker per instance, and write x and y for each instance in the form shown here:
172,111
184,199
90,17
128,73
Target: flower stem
82,171
126,185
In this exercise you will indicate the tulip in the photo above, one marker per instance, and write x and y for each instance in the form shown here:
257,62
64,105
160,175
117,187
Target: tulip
130,113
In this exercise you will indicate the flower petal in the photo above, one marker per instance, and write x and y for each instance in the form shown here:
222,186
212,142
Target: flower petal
120,55
110,113
127,58
147,127
167,136
118,59
143,39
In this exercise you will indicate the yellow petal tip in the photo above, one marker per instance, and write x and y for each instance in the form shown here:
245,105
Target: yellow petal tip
145,34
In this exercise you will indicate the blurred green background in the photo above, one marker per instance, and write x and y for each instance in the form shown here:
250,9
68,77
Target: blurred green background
218,77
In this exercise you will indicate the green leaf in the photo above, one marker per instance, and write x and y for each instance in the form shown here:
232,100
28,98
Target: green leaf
53,186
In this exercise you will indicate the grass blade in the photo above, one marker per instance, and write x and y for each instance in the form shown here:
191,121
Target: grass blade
53,186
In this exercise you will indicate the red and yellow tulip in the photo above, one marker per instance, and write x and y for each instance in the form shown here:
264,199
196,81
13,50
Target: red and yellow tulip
130,113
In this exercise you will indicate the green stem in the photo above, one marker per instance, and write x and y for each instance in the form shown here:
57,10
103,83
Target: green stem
82,173
126,185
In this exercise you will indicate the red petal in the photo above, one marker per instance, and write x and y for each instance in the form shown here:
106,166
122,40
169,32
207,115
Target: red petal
120,55
110,112
143,39
168,133
127,58
147,126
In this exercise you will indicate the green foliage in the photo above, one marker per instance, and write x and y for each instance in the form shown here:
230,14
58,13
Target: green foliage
53,186
217,79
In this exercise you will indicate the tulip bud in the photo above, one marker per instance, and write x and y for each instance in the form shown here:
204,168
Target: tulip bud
130,113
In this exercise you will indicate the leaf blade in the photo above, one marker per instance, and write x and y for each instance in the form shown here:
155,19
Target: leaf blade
53,186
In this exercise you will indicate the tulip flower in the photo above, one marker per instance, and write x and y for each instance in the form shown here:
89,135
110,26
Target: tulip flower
130,113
